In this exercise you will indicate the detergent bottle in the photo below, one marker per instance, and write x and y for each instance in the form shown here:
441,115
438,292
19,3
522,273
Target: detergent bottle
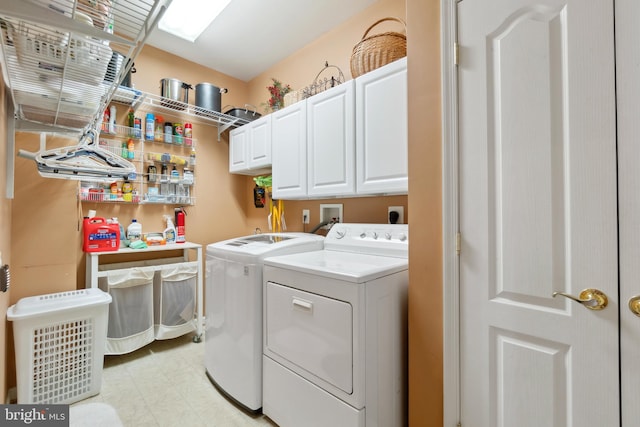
170,231
134,231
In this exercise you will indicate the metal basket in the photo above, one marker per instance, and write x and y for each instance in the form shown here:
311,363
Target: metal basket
320,85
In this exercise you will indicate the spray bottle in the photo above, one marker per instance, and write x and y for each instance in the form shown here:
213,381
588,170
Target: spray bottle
170,231
123,238
180,225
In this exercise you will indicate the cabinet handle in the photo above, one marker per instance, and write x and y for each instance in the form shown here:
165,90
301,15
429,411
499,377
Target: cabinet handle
302,304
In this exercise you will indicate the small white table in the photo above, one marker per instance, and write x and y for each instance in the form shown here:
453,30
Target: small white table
93,272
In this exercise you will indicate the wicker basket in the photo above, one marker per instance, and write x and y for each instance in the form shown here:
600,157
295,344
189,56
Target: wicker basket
377,50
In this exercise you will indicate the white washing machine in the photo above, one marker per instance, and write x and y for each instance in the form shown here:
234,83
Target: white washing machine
335,330
233,310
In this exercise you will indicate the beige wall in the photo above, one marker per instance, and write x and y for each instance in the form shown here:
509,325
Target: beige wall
45,242
425,196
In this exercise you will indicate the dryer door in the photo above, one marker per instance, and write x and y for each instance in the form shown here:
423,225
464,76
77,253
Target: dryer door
312,332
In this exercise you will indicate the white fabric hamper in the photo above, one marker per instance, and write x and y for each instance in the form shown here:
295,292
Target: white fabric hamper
131,314
59,343
175,300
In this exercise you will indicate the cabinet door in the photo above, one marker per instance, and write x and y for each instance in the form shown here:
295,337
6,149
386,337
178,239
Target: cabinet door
259,144
331,142
238,141
381,130
289,152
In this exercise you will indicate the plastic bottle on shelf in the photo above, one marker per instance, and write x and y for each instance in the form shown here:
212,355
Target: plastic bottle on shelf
131,120
188,134
149,127
113,191
175,175
134,231
123,239
178,133
168,132
137,127
131,153
192,158
159,129
127,191
170,231
152,173
187,176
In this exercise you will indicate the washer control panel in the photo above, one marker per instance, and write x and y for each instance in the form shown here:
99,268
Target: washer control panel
374,239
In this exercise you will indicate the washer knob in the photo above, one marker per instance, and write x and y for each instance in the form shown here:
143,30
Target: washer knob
340,234
402,237
387,235
363,234
375,235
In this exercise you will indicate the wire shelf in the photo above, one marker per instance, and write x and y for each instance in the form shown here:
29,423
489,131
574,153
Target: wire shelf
57,55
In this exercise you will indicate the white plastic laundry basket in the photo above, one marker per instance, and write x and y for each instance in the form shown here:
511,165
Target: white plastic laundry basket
59,342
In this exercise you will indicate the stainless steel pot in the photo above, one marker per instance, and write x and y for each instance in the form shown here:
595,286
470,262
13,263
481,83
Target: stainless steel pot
208,97
175,93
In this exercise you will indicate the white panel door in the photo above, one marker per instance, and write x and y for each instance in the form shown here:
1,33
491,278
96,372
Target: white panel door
289,151
628,88
331,142
537,213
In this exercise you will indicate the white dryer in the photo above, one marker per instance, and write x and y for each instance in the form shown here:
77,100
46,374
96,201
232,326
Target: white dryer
335,330
233,310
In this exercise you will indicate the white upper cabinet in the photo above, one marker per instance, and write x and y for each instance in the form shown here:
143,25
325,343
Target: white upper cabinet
331,142
349,140
289,150
381,130
250,148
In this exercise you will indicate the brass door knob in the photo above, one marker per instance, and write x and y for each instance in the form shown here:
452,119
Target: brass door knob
593,299
634,305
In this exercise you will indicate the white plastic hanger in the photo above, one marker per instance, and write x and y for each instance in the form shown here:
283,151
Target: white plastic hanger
84,161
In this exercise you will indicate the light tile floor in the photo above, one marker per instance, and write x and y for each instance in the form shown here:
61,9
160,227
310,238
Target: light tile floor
165,384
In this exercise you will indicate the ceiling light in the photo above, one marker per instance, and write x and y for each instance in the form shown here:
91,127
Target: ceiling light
187,19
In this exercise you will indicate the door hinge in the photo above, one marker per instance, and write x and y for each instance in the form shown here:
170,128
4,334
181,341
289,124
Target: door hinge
458,243
456,53
459,424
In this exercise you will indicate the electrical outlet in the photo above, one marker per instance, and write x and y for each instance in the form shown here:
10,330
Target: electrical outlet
395,214
305,216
